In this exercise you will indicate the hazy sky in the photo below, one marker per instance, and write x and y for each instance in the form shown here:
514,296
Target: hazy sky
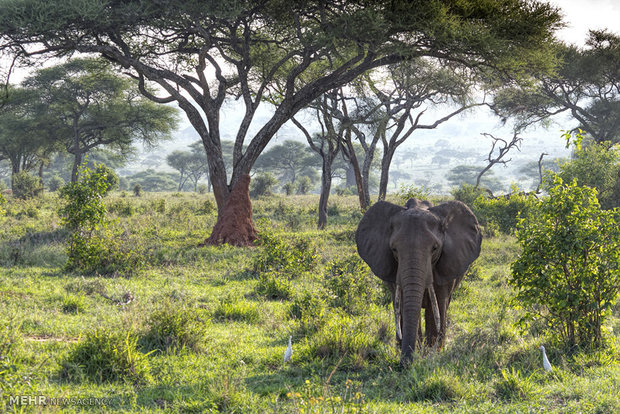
582,15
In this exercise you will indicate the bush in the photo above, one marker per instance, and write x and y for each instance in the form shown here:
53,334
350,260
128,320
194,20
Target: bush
137,190
105,356
274,285
568,273
26,185
304,185
279,256
2,202
262,185
467,194
174,328
405,192
310,310
595,165
351,284
55,182
502,212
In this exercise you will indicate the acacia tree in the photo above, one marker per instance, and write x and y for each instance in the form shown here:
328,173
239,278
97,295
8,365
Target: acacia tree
23,139
200,53
586,84
327,144
290,160
191,165
91,107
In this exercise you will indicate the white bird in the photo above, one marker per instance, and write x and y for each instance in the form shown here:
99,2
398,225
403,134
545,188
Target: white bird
546,363
289,351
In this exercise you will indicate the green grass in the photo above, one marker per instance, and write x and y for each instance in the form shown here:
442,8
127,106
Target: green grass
205,329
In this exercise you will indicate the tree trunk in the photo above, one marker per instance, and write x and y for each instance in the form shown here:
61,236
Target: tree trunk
385,172
234,224
326,184
77,161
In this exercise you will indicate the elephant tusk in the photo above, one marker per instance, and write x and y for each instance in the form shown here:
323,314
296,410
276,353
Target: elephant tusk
435,307
398,312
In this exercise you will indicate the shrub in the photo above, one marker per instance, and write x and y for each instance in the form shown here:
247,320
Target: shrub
111,177
467,194
595,165
310,310
55,182
290,259
93,248
501,212
26,185
105,356
304,185
568,273
2,202
405,192
289,188
174,328
202,188
137,190
262,184
351,284
274,285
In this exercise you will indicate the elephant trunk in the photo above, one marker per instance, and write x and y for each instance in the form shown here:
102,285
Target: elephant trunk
413,282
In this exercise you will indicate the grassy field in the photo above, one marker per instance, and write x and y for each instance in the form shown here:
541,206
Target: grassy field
205,329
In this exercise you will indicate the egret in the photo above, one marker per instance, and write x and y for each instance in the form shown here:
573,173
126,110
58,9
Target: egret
546,363
289,351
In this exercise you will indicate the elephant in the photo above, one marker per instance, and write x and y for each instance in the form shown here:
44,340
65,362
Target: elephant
421,252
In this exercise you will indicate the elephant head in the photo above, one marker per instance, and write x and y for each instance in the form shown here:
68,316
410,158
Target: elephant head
416,249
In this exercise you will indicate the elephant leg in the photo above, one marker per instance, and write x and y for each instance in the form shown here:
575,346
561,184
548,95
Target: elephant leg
397,305
444,294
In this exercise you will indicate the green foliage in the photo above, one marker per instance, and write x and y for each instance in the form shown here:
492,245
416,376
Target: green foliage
315,398
288,259
274,285
502,213
467,194
568,273
174,328
26,185
106,356
55,182
13,378
2,202
74,304
137,190
351,284
111,177
595,165
92,247
232,308
304,185
405,192
514,386
262,184
310,310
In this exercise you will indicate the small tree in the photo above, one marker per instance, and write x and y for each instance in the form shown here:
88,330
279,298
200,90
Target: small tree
26,185
83,214
568,274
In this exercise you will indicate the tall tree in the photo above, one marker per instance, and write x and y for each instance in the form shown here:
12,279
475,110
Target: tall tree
191,165
327,144
290,160
94,107
200,53
23,139
586,85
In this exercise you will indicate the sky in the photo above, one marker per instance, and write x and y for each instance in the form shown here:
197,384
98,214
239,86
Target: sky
582,15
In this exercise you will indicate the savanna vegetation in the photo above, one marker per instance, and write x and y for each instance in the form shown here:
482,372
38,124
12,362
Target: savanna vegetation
204,329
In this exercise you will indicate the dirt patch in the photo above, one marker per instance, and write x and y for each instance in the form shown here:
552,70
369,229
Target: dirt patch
234,226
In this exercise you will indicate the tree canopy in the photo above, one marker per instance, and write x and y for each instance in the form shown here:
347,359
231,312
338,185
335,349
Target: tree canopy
201,53
89,106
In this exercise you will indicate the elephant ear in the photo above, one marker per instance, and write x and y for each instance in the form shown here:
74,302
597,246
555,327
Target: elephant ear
462,241
373,236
